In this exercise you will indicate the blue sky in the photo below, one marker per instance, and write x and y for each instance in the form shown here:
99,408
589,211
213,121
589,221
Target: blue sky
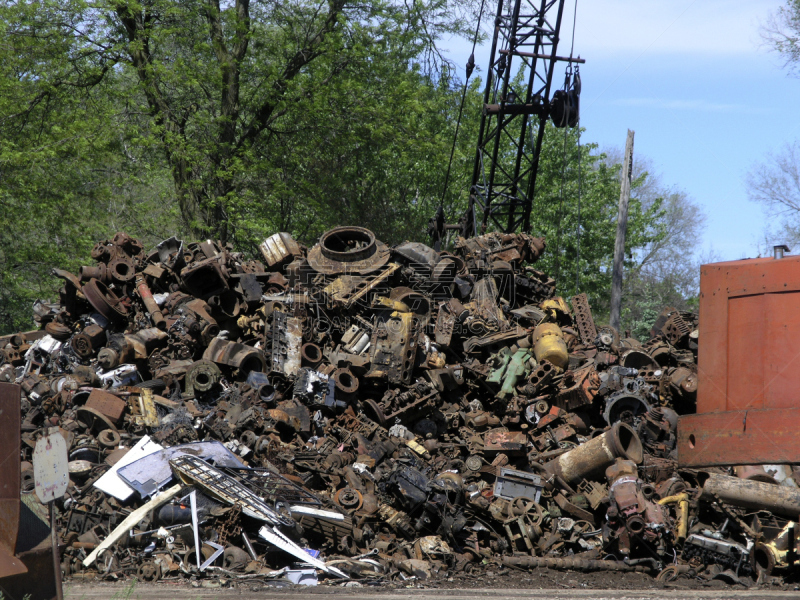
691,77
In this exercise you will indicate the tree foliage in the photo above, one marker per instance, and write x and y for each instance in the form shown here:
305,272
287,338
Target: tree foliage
775,184
224,90
781,33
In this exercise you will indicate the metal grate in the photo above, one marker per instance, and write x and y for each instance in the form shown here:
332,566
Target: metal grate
272,486
226,488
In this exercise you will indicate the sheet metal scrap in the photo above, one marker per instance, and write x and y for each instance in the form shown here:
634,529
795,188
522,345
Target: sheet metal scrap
378,405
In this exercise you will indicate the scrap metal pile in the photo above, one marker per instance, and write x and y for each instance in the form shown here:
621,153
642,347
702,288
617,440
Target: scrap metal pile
355,410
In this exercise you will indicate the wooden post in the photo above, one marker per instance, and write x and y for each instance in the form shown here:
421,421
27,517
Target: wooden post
622,228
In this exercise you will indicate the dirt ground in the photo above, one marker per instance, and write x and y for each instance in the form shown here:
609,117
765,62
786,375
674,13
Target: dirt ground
505,584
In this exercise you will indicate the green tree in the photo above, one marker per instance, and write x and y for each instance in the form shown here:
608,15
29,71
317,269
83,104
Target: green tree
68,174
225,90
575,208
781,33
774,183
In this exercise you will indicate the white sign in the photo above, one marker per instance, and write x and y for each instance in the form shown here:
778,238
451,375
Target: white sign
50,471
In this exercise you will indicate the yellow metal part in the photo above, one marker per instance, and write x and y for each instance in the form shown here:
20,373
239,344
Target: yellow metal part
555,305
417,447
149,414
395,305
682,500
548,344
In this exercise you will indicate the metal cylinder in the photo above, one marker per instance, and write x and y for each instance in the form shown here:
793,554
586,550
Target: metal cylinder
311,355
757,495
149,303
593,457
548,344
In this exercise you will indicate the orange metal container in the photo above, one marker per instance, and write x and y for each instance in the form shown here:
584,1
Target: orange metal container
748,395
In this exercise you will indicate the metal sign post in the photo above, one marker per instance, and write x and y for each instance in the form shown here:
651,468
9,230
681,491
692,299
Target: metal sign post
51,477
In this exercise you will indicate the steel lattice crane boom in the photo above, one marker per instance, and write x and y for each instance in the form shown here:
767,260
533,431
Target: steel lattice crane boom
515,111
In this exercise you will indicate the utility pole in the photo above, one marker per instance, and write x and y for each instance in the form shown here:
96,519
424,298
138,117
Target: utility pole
622,229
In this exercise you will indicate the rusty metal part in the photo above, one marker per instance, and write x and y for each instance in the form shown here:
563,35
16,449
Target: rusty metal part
749,327
348,250
122,269
345,381
583,318
108,438
676,329
347,291
89,341
349,499
571,564
580,388
393,347
201,377
109,405
104,300
286,339
279,249
150,304
311,355
509,442
540,378
99,272
93,420
756,495
418,302
58,331
239,356
636,359
451,314
205,278
593,457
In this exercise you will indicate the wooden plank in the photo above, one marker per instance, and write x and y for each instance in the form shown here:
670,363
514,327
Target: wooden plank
131,521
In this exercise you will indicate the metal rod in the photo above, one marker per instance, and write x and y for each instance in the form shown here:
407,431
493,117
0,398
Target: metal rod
547,56
56,558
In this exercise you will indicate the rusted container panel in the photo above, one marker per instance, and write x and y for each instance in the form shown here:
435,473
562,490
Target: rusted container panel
107,404
9,479
739,437
748,366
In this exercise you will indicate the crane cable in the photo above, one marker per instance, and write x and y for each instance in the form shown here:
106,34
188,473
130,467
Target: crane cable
469,68
568,79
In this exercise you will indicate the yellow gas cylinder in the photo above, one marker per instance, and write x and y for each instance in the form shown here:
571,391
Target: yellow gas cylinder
548,344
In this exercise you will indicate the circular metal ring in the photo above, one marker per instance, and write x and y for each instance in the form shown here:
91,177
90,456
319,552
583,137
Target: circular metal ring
104,300
346,382
354,250
108,438
93,420
122,270
349,498
311,355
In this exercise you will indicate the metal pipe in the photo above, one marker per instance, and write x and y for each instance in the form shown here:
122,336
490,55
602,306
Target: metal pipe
570,564
149,303
593,457
778,499
682,501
